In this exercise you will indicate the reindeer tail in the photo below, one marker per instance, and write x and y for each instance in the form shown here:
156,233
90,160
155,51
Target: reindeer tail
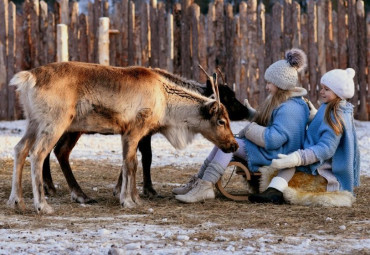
23,80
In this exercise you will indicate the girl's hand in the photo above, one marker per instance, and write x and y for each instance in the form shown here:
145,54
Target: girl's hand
313,110
287,161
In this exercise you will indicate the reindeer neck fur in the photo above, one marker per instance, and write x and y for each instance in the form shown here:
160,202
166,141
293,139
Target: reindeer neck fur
182,118
181,81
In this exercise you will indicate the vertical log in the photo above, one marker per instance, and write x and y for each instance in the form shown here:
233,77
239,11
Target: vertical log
268,36
321,57
62,43
98,13
26,35
11,59
124,31
251,52
305,47
329,44
43,56
83,42
64,11
243,87
342,27
334,51
3,59
229,68
195,13
103,42
296,25
35,32
288,25
105,10
220,34
202,45
137,54
352,48
162,38
130,35
277,29
73,33
211,48
91,33
170,42
177,12
51,41
361,29
261,40
145,34
312,49
19,53
185,39
237,56
113,39
154,40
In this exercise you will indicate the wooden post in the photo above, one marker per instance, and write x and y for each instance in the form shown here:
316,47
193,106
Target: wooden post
170,42
177,38
288,25
34,33
329,43
83,43
43,53
162,38
352,48
145,34
368,60
229,44
237,57
334,51
342,26
3,59
312,49
51,42
154,40
11,59
251,52
131,33
185,39
64,12
202,46
261,40
296,25
62,43
304,46
321,57
220,34
277,28
211,52
360,9
103,41
195,13
73,33
243,87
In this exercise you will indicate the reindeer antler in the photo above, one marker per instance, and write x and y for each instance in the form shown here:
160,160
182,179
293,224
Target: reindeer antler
213,81
222,76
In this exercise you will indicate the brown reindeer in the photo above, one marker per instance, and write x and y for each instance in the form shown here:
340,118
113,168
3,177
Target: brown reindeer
236,111
81,97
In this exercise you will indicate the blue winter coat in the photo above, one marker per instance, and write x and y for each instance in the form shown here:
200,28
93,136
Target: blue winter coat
342,149
284,134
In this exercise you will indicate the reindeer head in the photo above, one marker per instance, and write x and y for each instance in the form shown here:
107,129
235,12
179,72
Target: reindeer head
236,110
217,119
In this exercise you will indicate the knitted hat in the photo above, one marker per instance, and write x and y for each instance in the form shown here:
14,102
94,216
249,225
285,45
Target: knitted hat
340,82
284,73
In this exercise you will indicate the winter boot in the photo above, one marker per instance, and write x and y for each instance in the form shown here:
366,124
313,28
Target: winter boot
271,195
185,188
201,191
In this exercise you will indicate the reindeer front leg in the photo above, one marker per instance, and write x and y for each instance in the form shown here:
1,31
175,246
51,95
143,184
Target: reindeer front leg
129,196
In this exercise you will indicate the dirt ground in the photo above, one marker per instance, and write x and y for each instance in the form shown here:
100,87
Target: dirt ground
97,179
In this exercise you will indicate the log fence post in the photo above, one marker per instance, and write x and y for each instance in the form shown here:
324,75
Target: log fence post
62,43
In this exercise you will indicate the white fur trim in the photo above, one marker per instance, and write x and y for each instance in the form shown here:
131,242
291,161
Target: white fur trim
278,183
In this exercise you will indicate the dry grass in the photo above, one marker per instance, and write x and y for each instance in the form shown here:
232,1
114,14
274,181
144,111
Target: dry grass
97,180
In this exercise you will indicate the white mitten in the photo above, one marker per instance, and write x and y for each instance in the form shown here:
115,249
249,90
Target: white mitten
287,161
313,111
251,110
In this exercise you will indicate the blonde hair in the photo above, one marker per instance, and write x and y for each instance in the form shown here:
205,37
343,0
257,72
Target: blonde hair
263,115
335,124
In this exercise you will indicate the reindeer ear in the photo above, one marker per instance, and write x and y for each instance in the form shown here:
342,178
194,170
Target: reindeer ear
209,109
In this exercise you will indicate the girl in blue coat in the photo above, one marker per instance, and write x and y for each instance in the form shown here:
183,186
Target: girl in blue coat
330,148
278,127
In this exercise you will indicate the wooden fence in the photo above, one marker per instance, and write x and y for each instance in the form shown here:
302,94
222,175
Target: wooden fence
242,44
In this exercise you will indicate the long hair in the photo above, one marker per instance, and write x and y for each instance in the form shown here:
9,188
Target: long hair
335,124
263,115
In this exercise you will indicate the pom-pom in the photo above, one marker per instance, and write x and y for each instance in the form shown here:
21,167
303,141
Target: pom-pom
350,72
297,59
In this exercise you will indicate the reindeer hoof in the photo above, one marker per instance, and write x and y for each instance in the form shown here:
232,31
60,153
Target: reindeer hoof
82,198
44,208
128,204
150,193
16,204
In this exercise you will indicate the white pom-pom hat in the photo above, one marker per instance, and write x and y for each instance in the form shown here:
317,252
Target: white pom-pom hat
340,82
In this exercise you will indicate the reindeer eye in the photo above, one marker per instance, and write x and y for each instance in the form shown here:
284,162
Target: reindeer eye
212,96
221,122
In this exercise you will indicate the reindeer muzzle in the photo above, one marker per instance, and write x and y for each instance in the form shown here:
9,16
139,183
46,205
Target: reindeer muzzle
232,146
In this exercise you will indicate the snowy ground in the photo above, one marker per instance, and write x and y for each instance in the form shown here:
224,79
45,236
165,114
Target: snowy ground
156,238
